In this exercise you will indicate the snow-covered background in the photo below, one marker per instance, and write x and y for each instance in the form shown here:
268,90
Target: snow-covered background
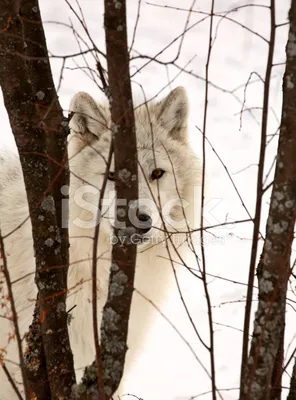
167,369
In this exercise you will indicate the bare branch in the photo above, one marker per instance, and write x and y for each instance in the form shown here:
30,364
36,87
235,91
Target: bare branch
4,269
204,269
11,381
94,283
292,391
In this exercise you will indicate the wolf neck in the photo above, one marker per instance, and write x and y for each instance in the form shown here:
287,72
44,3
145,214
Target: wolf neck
154,279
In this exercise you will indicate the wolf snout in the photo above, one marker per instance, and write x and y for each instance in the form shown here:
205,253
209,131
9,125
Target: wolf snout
144,223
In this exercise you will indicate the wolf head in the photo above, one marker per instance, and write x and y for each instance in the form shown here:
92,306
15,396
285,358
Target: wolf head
168,168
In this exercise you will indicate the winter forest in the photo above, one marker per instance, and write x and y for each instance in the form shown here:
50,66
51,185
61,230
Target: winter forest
147,200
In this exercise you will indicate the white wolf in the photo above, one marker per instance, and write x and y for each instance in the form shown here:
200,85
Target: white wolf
169,170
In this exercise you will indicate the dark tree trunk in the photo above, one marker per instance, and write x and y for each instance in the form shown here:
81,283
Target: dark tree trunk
126,183
40,132
266,346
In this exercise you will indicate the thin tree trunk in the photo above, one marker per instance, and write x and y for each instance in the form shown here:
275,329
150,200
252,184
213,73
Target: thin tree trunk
274,271
114,327
126,182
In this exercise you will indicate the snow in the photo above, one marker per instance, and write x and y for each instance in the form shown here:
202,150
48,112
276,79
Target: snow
168,369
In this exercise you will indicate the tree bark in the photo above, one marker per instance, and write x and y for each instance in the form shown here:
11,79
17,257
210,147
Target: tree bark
117,308
275,264
114,327
40,132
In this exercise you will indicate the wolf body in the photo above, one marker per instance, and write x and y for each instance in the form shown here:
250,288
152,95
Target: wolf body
168,171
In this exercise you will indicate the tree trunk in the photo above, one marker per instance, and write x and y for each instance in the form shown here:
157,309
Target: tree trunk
40,132
274,271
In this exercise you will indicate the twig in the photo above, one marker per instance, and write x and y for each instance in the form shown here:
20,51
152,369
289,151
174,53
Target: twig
11,381
204,270
100,380
6,274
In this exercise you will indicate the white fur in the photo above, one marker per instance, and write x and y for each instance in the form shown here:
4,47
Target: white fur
166,123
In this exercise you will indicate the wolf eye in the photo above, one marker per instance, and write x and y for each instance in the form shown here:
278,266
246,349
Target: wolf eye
111,176
157,173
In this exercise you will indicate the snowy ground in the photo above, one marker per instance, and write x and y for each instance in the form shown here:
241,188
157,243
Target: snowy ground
168,370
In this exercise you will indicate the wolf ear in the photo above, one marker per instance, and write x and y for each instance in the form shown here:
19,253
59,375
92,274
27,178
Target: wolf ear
173,113
86,116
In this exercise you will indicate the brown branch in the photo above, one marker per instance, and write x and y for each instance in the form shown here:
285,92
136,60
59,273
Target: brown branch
230,178
292,391
183,338
265,359
136,26
257,218
203,256
100,380
5,271
11,381
220,15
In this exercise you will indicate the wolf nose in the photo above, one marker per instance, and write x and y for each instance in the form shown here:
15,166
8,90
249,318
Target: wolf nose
145,223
